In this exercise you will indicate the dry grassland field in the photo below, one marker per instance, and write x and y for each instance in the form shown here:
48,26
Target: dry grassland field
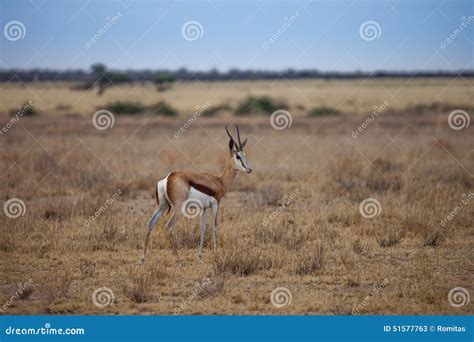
351,210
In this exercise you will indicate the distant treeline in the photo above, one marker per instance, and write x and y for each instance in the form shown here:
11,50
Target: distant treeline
212,75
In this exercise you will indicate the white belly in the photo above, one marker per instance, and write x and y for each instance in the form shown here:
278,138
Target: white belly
206,200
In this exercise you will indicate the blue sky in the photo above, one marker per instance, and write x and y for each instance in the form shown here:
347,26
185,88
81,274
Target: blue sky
320,35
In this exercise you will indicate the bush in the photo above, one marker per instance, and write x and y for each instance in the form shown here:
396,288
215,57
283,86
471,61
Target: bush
125,107
165,109
213,111
258,105
323,111
24,110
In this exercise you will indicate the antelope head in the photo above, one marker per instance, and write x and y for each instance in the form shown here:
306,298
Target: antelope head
236,151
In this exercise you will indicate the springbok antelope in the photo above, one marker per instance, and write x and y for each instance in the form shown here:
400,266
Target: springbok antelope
178,190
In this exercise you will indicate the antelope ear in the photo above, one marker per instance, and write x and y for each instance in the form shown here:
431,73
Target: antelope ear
243,144
231,145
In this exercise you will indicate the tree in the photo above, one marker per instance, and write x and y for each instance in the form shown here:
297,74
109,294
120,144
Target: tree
163,81
99,72
103,78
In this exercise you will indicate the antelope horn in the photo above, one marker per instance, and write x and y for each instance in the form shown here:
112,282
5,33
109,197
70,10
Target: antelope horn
238,137
230,136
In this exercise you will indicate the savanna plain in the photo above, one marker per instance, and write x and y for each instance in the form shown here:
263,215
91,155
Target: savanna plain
297,221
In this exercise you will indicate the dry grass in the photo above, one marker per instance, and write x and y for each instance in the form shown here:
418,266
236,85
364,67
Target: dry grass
301,96
314,242
311,261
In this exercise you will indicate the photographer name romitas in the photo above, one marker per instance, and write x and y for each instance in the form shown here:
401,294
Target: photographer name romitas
454,328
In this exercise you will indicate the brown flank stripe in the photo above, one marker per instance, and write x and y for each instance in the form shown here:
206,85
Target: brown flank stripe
203,188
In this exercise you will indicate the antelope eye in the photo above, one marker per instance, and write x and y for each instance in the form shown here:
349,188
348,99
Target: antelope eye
238,157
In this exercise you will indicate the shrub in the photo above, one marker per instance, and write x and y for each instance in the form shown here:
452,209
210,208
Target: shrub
24,110
323,111
125,107
213,111
165,109
258,105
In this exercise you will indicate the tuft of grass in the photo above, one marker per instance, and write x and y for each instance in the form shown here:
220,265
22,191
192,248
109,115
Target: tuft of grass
24,290
162,108
323,111
284,233
125,107
139,289
214,287
357,246
186,236
106,237
389,238
240,259
258,105
311,261
87,268
63,282
432,239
